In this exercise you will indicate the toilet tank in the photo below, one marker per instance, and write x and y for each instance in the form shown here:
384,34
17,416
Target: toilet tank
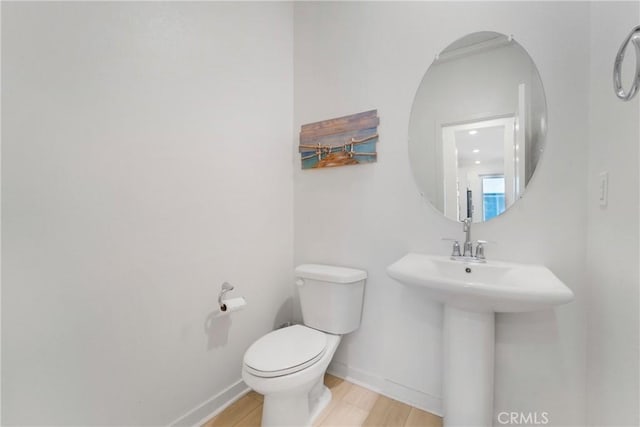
331,297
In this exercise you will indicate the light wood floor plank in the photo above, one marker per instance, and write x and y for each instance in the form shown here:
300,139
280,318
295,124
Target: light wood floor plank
419,418
330,380
339,387
253,419
235,412
338,390
378,412
345,415
257,396
397,414
325,413
360,397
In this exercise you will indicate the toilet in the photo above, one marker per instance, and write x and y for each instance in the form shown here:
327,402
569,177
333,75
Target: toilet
288,365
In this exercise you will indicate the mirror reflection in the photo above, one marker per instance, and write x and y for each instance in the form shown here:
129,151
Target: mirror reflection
477,127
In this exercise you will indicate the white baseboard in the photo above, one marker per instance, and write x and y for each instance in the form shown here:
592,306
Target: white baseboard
388,388
212,406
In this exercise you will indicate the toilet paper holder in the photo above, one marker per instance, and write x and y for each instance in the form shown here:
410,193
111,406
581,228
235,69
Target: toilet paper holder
226,287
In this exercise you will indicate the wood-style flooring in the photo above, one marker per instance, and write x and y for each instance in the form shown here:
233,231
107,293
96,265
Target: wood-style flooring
351,406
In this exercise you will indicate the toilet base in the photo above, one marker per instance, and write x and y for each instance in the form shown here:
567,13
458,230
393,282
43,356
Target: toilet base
295,410
320,403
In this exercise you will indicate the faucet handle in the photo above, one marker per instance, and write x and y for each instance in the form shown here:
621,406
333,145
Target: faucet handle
480,248
456,246
484,242
456,249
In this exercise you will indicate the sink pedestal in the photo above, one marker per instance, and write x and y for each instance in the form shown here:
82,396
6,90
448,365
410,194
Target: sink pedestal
468,367
472,293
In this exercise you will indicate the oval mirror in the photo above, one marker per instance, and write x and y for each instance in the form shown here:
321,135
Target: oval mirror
477,127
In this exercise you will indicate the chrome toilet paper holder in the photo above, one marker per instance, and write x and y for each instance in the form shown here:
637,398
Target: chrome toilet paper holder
226,287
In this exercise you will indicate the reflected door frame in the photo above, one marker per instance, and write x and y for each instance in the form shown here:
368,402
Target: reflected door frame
452,208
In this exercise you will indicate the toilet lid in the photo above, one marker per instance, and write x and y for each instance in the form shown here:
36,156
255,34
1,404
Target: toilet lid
285,351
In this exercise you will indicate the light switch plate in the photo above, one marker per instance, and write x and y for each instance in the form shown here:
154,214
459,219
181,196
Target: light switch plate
603,188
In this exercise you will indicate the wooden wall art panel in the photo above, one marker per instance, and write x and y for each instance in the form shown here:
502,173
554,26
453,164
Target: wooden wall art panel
348,140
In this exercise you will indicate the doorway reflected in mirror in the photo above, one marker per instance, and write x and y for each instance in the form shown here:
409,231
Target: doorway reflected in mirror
474,152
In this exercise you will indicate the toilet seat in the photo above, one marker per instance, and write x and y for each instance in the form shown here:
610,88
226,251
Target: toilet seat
285,351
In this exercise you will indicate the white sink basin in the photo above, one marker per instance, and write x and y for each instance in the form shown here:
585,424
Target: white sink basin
492,286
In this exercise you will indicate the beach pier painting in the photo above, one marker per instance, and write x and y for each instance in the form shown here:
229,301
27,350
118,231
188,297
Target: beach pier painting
348,140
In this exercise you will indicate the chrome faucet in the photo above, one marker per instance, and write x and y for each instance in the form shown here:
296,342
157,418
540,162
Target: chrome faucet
467,254
468,244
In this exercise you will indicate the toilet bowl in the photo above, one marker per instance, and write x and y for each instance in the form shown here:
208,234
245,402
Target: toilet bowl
293,388
288,365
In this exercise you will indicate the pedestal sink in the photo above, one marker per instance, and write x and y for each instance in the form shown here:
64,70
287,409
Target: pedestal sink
472,293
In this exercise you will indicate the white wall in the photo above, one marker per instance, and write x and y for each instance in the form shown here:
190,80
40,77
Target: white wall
613,256
352,57
146,159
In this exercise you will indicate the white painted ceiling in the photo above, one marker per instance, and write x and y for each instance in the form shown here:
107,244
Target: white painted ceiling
490,142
